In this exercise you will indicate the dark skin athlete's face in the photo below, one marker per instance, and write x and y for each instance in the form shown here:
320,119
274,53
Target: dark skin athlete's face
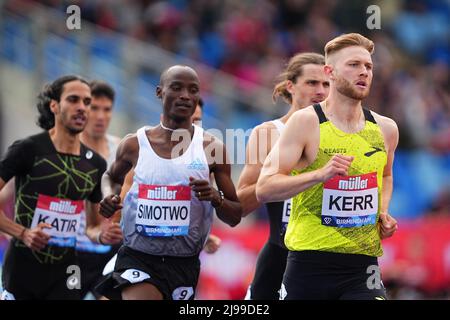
179,92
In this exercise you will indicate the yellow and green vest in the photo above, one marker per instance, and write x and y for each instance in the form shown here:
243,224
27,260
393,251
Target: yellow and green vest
340,215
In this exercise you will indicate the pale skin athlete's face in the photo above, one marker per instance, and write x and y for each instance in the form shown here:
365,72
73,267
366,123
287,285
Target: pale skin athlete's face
73,107
311,87
352,72
99,117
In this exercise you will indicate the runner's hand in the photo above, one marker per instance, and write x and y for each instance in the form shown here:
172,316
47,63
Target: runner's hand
212,244
109,205
204,191
111,233
387,225
338,165
36,238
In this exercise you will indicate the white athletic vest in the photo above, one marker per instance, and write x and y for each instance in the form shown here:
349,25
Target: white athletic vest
279,125
161,215
83,242
113,144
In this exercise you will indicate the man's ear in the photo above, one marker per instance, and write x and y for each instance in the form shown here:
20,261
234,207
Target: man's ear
329,71
159,92
54,106
289,87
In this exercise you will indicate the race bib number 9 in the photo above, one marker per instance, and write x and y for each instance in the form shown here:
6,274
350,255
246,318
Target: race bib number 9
64,217
350,201
163,211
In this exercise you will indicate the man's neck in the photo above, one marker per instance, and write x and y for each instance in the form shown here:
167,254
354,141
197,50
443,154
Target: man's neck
64,141
91,141
342,108
292,109
169,126
98,144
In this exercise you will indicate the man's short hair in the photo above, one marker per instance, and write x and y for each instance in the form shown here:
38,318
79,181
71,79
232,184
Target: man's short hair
348,40
102,89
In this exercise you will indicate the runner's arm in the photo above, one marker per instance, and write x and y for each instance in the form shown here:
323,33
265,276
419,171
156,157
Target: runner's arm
7,195
257,149
7,225
388,224
275,182
17,160
229,210
391,134
126,156
112,180
99,229
93,221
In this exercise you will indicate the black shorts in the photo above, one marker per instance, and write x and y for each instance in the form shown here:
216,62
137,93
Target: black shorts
269,272
27,279
175,277
318,275
92,265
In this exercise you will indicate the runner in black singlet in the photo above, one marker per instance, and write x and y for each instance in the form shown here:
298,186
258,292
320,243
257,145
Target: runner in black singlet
56,178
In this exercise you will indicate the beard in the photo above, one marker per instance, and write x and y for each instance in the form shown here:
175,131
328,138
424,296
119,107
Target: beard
73,130
345,88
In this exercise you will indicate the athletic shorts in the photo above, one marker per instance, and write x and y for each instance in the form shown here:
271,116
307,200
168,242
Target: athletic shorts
269,271
24,278
91,265
318,275
175,277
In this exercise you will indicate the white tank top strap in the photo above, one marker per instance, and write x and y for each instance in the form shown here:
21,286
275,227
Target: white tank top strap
279,125
142,137
198,137
113,143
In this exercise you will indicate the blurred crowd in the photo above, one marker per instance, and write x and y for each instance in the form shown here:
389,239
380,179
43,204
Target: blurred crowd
252,39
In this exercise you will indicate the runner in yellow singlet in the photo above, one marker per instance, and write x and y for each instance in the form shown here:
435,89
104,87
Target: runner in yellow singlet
340,156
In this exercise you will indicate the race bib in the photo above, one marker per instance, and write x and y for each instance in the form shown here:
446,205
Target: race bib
287,204
64,217
350,201
163,211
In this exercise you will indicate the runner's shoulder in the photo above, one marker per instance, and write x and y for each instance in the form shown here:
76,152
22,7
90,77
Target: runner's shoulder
387,124
94,158
305,116
36,143
383,120
267,125
114,139
388,127
263,130
130,141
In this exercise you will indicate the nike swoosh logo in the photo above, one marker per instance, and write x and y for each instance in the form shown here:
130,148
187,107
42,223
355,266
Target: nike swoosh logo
370,153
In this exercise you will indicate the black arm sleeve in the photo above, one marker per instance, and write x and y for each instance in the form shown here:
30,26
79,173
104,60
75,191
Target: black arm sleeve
18,160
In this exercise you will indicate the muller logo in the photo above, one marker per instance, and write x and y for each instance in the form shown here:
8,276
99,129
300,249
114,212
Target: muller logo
354,183
63,207
162,193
